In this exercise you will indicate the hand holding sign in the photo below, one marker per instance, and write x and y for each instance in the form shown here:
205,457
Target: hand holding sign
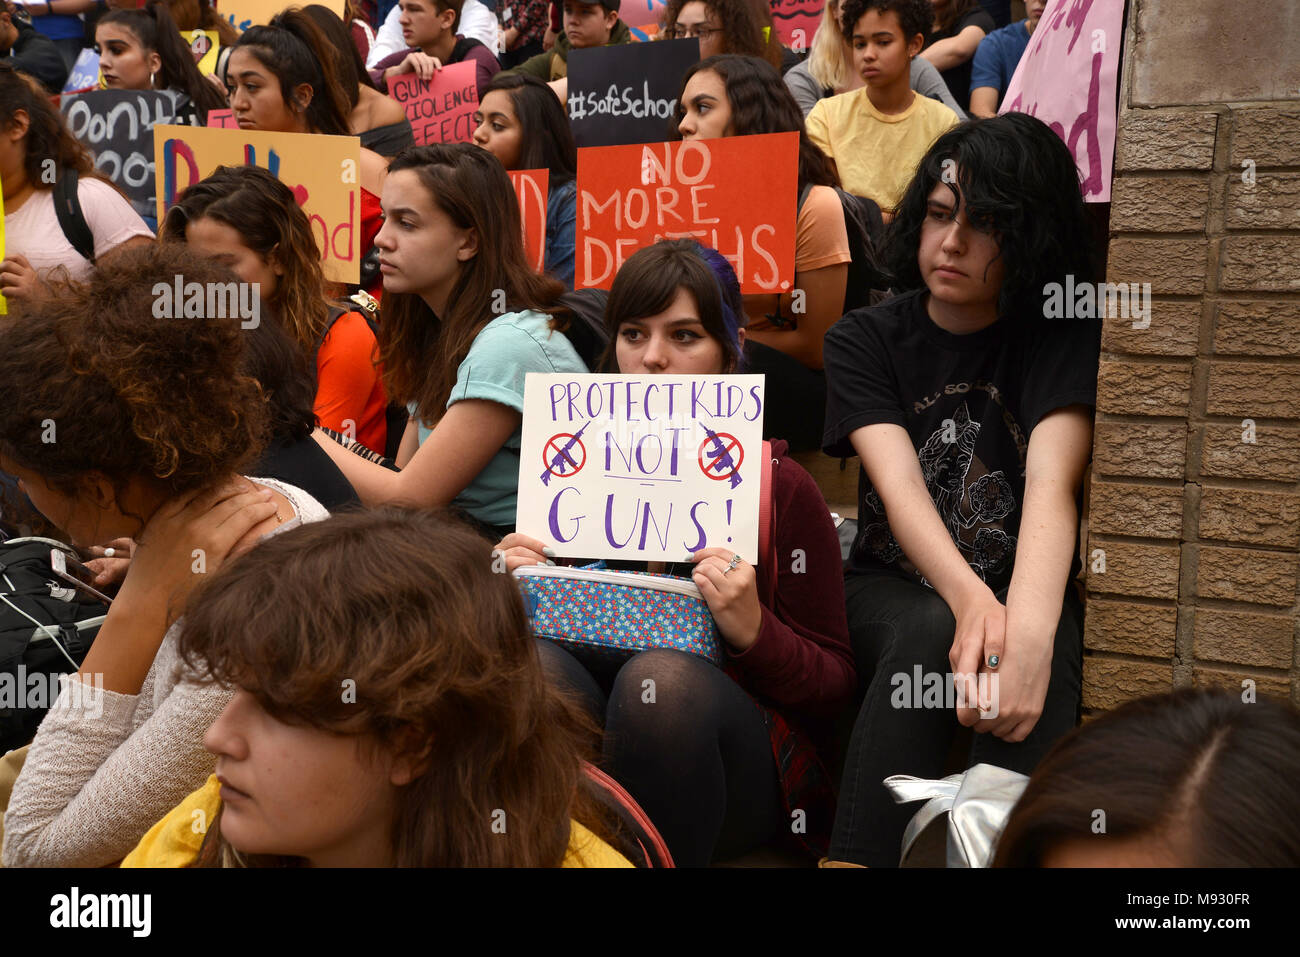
441,109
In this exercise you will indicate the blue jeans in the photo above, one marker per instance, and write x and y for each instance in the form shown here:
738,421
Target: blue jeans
896,625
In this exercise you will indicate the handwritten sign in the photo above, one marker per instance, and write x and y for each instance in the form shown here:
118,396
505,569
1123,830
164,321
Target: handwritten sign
531,191
627,94
641,467
711,190
85,73
441,110
322,171
1067,78
643,13
222,120
796,21
243,14
117,125
205,45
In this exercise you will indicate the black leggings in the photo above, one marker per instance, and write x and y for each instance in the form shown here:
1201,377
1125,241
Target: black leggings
897,624
687,743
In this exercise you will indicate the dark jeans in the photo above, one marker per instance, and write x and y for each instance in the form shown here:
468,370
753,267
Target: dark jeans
687,743
896,624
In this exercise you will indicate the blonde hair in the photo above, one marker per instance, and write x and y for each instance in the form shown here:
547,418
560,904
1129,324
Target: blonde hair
826,61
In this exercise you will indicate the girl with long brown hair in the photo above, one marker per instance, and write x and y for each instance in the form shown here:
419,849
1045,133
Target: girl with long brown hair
390,686
465,319
247,218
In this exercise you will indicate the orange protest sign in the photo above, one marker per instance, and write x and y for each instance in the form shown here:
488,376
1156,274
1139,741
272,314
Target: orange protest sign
441,110
323,172
736,194
531,191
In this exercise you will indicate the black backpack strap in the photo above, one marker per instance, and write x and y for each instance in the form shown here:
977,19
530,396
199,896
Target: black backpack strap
67,206
803,196
462,47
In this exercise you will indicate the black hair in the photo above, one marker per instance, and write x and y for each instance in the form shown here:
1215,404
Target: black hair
351,68
761,103
1208,776
914,16
294,49
280,366
1017,181
545,137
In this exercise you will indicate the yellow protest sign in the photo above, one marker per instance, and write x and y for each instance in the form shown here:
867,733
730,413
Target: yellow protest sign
243,14
205,45
323,172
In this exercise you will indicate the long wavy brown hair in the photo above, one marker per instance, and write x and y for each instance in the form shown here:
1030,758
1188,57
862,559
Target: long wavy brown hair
419,351
48,137
264,212
407,605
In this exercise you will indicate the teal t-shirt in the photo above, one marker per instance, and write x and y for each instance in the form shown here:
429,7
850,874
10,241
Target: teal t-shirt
508,348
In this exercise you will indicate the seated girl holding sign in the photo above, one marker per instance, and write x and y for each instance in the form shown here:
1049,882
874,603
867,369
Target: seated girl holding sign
973,418
720,758
733,95
143,50
445,747
465,320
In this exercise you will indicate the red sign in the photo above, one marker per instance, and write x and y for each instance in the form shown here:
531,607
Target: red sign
737,195
441,110
531,191
796,21
222,120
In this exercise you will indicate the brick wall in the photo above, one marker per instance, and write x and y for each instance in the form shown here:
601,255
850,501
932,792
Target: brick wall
1195,499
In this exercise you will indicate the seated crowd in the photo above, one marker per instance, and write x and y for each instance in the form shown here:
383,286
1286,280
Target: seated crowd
315,645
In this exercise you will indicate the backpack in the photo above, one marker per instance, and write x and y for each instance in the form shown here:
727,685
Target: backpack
586,331
865,225
395,415
46,628
72,220
634,834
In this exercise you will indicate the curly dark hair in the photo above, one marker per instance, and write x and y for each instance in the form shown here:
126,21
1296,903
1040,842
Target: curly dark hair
1017,181
131,394
742,23
914,16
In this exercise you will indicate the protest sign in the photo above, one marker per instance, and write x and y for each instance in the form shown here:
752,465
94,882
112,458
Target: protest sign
628,93
441,110
643,17
116,125
85,73
796,21
222,120
323,172
1067,78
531,191
641,467
242,14
715,191
205,45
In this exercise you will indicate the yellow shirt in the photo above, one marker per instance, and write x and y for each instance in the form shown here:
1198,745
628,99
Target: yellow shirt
877,154
175,840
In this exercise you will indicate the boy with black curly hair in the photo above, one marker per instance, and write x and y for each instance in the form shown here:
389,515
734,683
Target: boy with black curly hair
878,133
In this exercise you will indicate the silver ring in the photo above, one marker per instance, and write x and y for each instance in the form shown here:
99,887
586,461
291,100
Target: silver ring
109,552
735,560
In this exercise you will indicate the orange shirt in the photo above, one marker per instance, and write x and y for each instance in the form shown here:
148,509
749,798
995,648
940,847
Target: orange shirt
349,396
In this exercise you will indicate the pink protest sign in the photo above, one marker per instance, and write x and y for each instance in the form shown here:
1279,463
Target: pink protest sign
441,110
1067,78
222,120
796,21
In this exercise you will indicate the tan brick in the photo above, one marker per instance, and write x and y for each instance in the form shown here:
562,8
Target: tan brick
1172,266
1274,455
1165,140
1175,330
1130,628
1271,202
1270,137
1247,574
1142,511
1241,638
1256,328
1109,682
1249,515
1145,388
1140,449
1257,390
1265,263
1158,204
1147,571
1265,684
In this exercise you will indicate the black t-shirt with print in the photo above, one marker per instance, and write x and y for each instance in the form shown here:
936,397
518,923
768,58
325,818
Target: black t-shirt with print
958,77
968,402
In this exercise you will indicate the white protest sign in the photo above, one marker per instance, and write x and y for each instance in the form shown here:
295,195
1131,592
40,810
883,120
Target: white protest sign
641,467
